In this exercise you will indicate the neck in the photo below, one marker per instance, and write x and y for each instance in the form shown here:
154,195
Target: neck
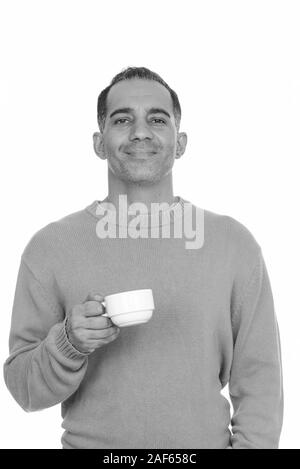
159,192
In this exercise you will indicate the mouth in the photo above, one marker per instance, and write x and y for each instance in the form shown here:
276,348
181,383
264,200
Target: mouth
138,152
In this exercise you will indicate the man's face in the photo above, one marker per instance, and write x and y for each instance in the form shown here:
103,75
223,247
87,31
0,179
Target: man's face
140,143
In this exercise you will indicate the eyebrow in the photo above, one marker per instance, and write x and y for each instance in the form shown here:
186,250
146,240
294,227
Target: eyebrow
152,110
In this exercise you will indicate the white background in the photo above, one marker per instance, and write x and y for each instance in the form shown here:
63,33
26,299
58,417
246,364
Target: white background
235,68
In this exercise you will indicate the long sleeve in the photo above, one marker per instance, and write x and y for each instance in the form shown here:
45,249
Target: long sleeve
43,368
255,385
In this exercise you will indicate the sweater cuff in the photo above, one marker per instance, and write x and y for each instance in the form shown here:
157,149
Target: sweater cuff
64,345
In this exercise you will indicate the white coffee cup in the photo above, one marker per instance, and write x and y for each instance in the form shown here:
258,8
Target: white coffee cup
130,307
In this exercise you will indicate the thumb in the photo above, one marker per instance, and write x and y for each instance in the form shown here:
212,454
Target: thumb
94,297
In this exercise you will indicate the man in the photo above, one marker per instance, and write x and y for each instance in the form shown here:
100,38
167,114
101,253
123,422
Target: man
154,385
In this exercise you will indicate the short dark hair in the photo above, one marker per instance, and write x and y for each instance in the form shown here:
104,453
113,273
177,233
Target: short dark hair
127,74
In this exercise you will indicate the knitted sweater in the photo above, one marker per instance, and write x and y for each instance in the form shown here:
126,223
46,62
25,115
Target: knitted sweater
157,385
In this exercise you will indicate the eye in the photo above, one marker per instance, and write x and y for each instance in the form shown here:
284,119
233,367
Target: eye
161,120
122,119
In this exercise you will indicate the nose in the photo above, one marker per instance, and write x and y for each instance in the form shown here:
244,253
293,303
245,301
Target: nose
140,131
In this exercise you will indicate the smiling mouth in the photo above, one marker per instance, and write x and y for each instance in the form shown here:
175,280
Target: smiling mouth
146,152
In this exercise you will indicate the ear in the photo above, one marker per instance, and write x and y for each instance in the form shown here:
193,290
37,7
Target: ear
181,144
98,145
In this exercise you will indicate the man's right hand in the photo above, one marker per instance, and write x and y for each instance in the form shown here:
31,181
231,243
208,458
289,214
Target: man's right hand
87,329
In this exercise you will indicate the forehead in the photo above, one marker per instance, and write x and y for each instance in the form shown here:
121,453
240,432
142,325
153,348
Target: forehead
139,92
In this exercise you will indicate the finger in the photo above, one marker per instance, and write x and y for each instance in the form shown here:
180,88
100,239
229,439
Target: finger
102,333
93,308
97,323
94,297
98,308
108,338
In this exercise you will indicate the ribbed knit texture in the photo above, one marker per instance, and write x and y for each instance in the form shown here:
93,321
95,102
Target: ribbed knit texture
158,384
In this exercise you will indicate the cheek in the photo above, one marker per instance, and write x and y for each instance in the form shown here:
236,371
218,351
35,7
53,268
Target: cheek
113,142
169,149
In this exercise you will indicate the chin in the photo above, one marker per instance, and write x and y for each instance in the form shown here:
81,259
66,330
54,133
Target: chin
141,179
